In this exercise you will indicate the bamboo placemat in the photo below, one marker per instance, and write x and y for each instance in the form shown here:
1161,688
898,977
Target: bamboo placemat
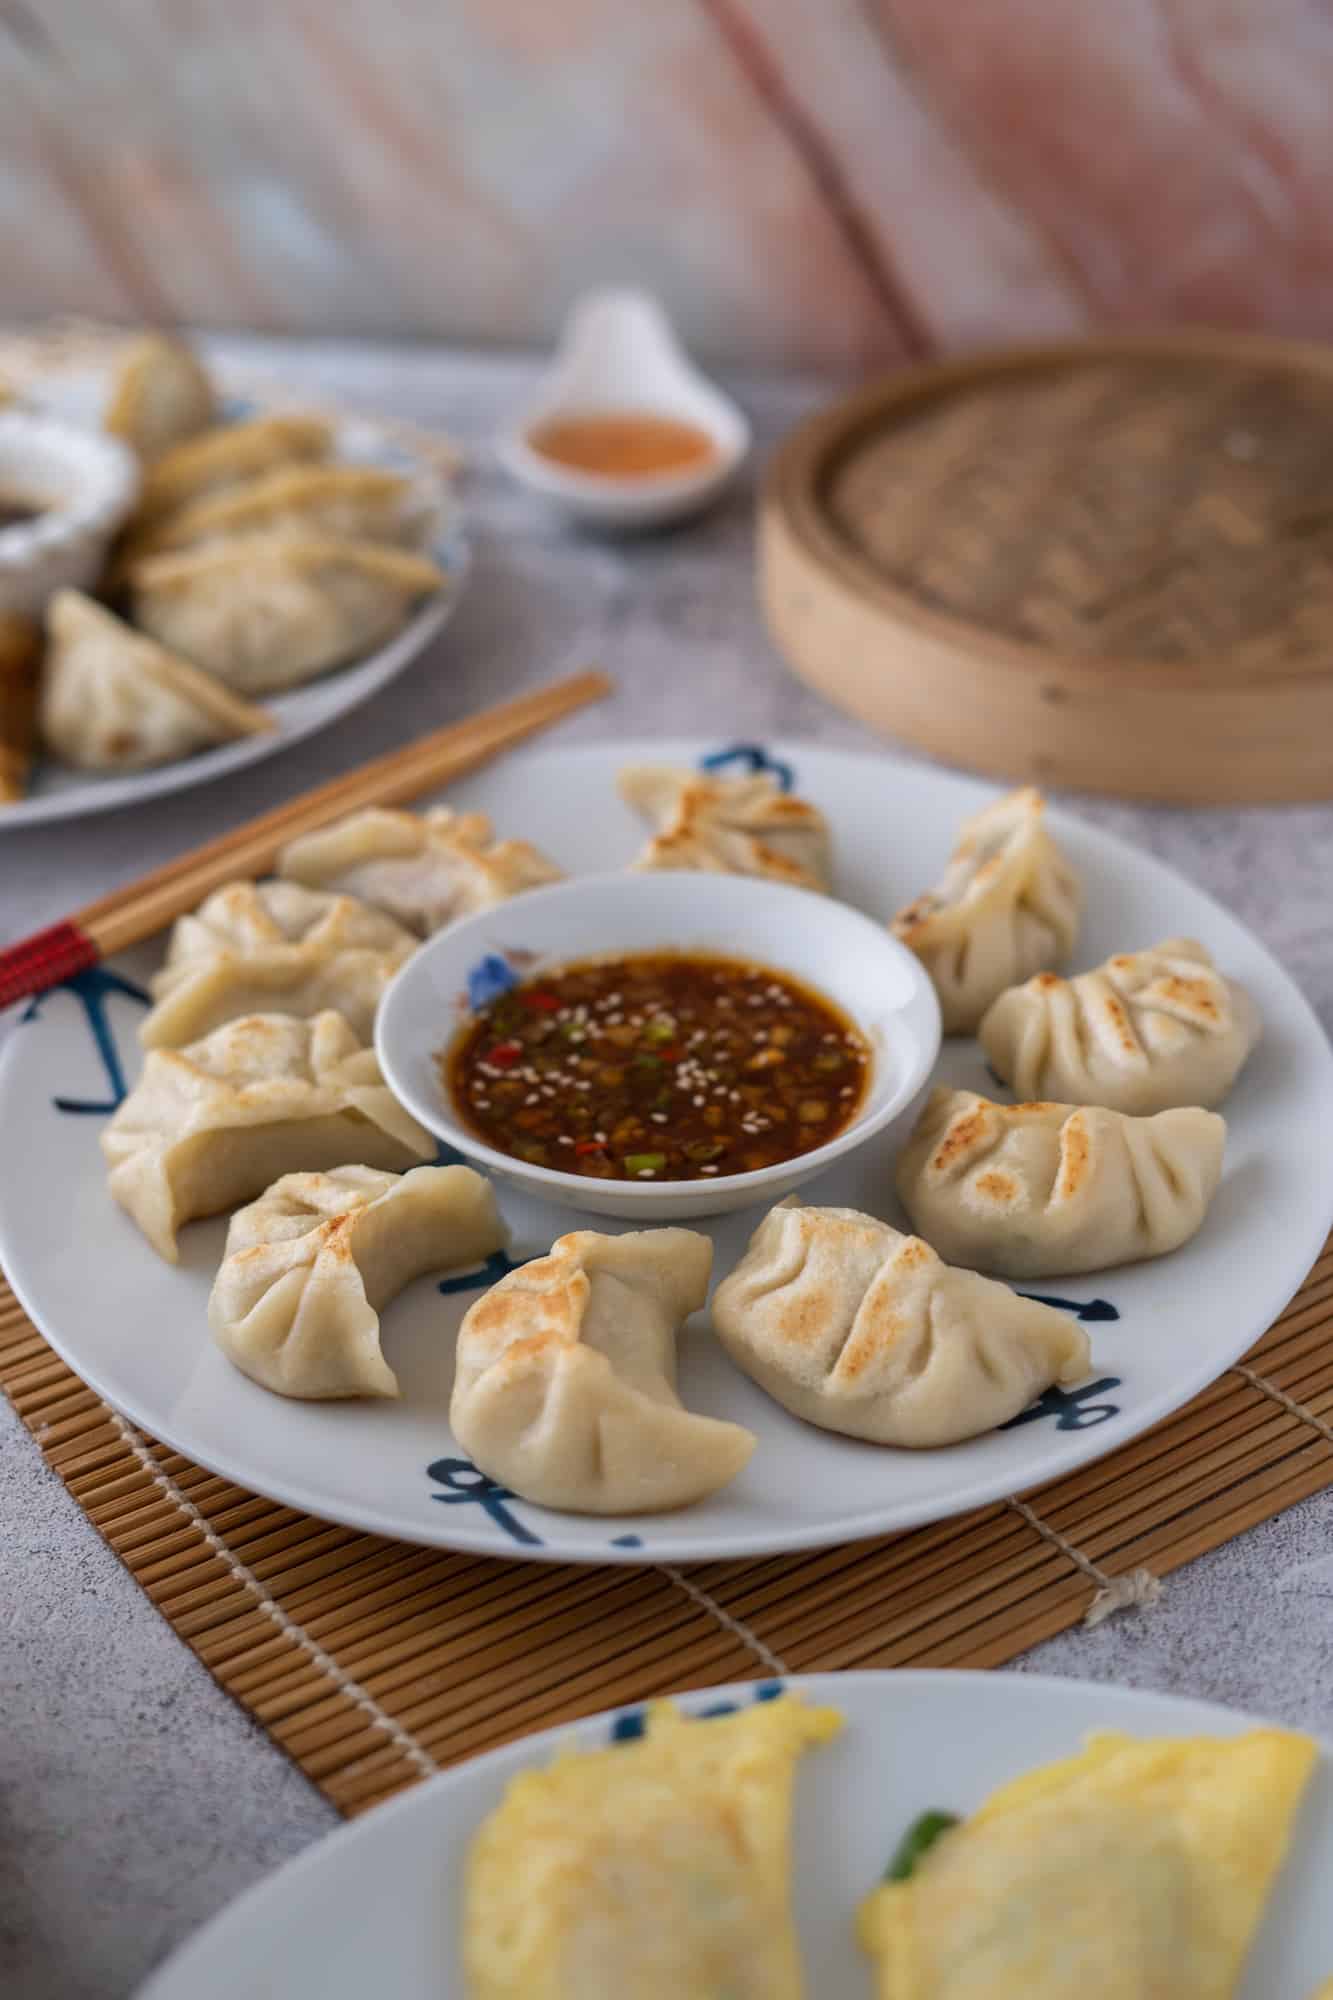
374,1663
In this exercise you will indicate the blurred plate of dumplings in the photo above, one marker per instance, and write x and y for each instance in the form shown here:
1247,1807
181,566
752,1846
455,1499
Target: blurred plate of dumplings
281,565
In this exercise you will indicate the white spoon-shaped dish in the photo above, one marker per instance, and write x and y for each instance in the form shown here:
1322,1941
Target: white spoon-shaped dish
619,355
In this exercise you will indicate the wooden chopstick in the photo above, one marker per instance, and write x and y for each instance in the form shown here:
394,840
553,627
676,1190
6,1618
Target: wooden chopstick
138,909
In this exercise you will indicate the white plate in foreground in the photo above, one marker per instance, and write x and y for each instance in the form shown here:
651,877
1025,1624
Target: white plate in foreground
136,1330
376,1908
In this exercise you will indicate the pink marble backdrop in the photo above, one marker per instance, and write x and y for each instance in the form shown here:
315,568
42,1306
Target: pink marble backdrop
838,182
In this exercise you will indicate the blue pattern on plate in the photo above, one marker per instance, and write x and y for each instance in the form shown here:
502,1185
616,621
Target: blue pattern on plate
498,1265
1070,1407
629,1725
488,980
92,989
1085,1309
755,759
467,1485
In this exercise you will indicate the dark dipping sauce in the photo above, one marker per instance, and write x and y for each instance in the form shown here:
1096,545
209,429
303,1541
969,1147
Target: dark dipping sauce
658,1067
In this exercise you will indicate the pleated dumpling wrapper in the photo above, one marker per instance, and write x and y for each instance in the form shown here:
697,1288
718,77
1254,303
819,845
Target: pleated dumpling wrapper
728,826
1138,1870
312,1264
425,869
225,456
1048,1190
273,947
357,503
565,1389
1008,905
112,700
1143,1032
210,1126
653,1870
265,613
160,396
860,1329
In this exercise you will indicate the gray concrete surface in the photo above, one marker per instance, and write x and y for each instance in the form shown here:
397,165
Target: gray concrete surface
135,1798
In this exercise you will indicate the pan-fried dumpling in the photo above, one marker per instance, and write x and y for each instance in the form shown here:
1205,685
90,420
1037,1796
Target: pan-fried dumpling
268,612
653,1870
161,395
311,1265
1143,1032
1007,905
1045,1190
565,1386
425,869
728,826
862,1330
357,503
225,456
213,1125
255,947
112,700
1133,1871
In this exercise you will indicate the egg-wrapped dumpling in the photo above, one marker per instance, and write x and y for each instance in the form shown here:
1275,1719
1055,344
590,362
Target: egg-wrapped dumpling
1134,1871
654,1870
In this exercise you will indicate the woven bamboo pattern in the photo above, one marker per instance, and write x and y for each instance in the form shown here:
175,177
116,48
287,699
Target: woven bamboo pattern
1157,509
374,1664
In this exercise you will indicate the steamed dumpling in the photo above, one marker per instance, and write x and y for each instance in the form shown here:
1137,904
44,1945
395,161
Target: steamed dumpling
728,826
266,612
212,1125
652,1870
311,1265
359,503
1147,1030
425,869
859,1329
1007,905
225,456
565,1388
161,395
1045,1190
253,947
112,700
1134,1871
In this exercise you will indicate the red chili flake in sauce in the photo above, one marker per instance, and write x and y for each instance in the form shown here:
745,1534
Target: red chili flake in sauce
665,1066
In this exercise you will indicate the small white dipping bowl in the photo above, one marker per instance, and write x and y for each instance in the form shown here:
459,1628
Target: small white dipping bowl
618,354
830,946
83,485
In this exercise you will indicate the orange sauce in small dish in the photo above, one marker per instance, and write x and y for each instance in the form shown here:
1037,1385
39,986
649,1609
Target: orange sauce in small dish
623,444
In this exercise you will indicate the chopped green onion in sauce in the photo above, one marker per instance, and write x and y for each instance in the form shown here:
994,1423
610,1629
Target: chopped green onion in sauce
663,1066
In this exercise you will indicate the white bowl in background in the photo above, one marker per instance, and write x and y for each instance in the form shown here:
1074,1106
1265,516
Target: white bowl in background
618,353
85,485
849,957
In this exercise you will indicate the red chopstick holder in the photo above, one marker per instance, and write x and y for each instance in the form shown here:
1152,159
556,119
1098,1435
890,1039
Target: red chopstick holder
43,960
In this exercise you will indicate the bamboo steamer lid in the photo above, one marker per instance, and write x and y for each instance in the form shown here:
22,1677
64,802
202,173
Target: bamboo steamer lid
1106,565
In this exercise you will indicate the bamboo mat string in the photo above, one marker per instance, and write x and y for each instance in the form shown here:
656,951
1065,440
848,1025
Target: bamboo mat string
764,1654
1137,1590
1288,1403
402,1739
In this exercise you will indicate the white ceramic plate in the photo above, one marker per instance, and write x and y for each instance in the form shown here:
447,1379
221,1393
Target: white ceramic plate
59,791
377,1907
135,1328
